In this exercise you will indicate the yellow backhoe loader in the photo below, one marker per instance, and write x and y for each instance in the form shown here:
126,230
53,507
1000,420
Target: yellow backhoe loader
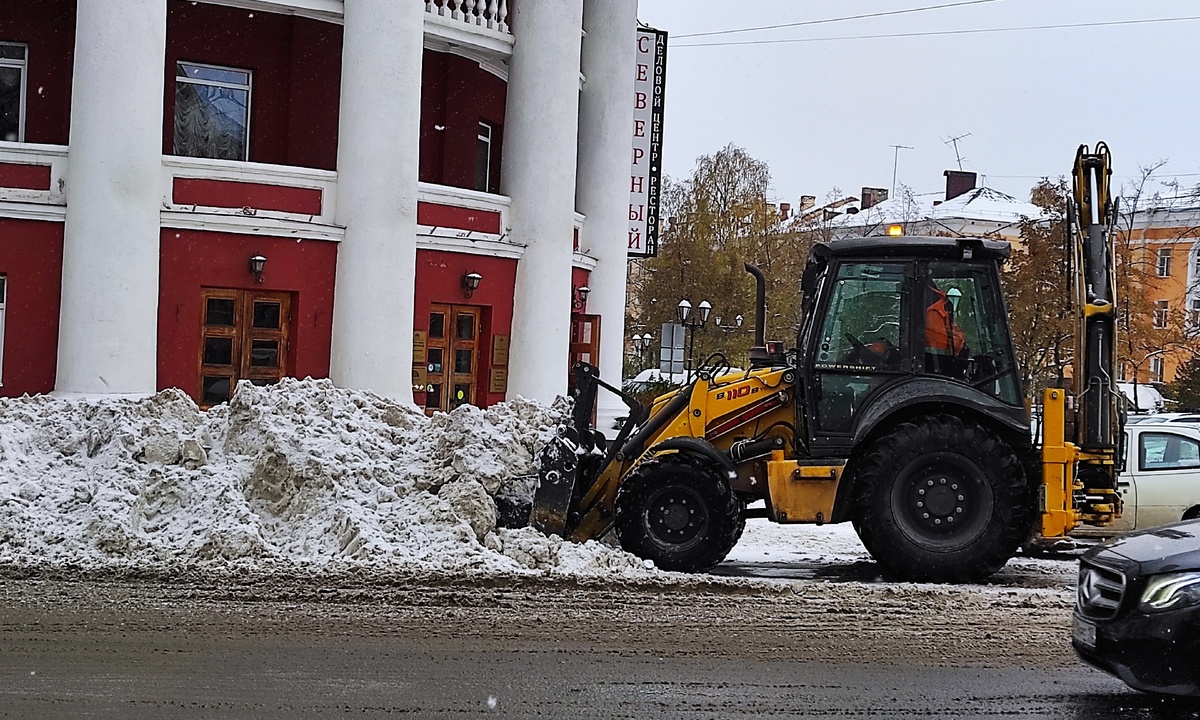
900,410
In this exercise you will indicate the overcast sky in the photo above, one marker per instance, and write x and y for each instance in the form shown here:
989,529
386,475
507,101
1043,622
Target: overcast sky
824,114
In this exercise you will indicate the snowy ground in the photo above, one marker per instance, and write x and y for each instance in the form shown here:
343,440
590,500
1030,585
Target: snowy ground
306,477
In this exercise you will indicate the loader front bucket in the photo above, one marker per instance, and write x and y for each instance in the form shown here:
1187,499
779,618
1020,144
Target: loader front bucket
557,475
577,456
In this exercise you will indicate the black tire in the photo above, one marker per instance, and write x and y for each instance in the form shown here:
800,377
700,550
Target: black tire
679,512
941,499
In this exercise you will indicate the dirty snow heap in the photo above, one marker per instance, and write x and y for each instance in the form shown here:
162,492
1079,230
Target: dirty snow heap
297,475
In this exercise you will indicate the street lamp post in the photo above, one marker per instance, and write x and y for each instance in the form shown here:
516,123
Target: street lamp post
641,343
692,321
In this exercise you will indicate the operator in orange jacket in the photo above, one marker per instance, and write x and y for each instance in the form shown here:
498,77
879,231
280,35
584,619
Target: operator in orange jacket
945,342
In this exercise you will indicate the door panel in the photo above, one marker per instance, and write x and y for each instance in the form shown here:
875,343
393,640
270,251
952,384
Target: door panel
243,336
451,357
862,342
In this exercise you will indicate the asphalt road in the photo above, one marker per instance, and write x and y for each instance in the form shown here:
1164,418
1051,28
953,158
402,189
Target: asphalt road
354,647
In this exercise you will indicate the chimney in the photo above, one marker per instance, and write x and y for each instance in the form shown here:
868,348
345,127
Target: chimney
807,201
785,211
958,182
872,197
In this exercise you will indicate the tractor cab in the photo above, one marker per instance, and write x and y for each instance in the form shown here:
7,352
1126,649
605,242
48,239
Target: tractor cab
895,324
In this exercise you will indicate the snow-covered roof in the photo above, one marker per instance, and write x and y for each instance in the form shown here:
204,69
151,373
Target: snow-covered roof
982,204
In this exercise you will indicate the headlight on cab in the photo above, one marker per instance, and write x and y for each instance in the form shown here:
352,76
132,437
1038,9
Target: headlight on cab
1171,591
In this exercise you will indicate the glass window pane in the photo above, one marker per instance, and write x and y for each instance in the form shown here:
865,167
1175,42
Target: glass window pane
462,394
12,51
262,382
211,121
266,315
462,361
215,390
435,360
433,396
264,353
437,325
465,327
862,327
10,104
218,351
3,288
219,312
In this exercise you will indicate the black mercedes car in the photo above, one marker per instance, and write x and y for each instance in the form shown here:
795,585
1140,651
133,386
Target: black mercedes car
1137,609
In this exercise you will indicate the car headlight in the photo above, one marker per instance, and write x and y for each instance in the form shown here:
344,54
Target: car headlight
1171,591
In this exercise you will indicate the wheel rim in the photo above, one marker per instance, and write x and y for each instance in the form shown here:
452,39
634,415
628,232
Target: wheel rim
676,516
942,501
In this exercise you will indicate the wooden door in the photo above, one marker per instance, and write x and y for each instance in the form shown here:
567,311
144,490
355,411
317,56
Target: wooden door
585,343
451,357
243,336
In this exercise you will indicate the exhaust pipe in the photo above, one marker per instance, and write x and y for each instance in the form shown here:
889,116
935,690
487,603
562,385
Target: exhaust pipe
759,357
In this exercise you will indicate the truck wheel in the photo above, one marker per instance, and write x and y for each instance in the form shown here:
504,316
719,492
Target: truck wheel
679,512
941,499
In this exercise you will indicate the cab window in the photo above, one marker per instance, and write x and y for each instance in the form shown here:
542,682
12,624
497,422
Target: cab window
862,328
966,331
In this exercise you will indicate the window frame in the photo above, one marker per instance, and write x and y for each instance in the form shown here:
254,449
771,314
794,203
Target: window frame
1161,310
1157,369
248,87
23,88
1163,262
490,142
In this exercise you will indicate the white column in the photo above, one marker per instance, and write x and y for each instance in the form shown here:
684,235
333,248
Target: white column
378,151
107,338
602,193
540,135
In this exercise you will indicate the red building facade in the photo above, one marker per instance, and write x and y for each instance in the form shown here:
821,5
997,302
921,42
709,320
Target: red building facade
259,162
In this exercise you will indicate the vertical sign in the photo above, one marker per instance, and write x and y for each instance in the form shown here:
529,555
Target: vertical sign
645,176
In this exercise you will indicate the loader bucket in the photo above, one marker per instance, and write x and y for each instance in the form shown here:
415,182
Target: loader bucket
557,475
577,456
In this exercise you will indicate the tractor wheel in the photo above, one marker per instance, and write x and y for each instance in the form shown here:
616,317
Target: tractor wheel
941,499
679,512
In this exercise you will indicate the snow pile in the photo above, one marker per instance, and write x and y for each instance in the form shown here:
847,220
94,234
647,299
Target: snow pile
299,474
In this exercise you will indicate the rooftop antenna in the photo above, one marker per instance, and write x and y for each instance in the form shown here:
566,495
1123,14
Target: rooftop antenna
954,141
895,161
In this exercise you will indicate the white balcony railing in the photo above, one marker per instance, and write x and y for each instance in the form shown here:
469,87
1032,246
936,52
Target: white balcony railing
29,160
489,14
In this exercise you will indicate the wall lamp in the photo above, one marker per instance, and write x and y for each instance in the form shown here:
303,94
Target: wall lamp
579,296
470,283
257,263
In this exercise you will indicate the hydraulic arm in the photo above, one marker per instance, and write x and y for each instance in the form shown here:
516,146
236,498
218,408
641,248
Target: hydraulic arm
1098,432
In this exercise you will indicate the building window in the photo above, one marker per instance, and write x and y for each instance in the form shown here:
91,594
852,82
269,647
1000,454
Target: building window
483,158
12,92
1194,314
1164,262
1160,314
1196,265
212,112
1156,369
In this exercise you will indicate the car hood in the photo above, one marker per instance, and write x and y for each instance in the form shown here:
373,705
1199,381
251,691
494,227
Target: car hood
1169,548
